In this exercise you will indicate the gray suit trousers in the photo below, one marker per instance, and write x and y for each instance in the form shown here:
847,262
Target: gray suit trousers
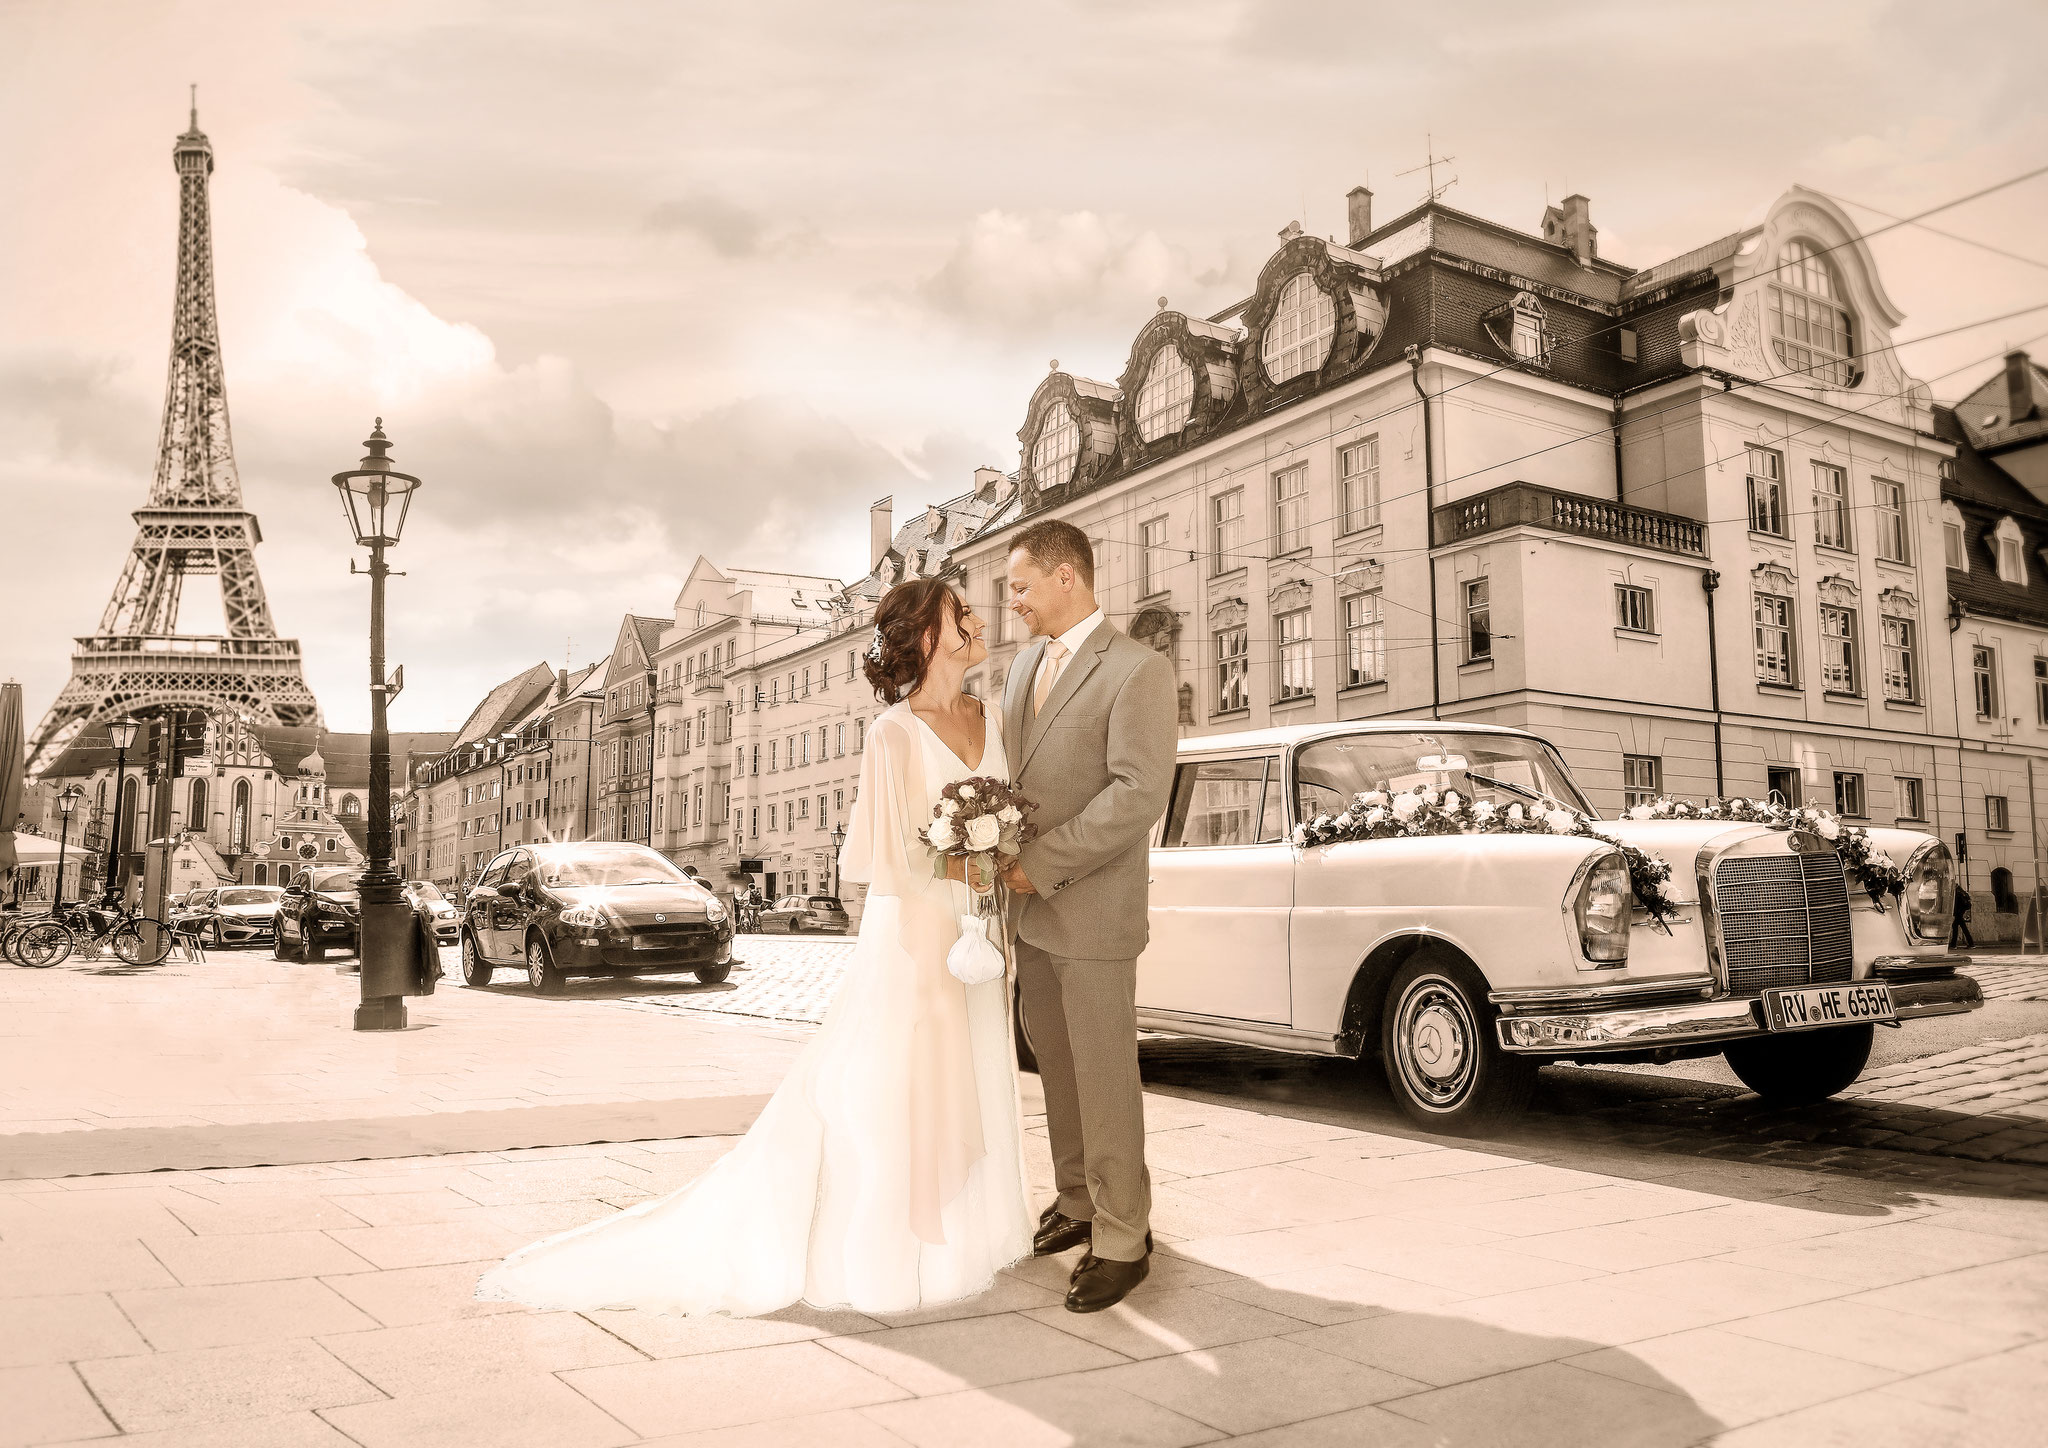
1082,1019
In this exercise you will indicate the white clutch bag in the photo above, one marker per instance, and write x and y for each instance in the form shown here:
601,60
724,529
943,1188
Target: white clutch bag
974,958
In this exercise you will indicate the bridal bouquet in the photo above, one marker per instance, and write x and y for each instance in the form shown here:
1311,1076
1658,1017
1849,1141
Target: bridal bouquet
981,821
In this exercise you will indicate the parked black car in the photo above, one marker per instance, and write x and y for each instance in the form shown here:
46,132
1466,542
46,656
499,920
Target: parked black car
319,909
593,908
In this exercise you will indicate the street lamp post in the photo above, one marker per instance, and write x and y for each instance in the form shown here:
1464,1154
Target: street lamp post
122,731
376,498
653,699
66,803
838,844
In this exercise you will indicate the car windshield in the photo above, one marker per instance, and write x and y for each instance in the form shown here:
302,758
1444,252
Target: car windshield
249,897
428,891
592,866
1504,768
334,882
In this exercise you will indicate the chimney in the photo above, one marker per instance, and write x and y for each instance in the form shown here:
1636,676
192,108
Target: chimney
1579,233
561,685
1358,203
986,481
2019,388
881,528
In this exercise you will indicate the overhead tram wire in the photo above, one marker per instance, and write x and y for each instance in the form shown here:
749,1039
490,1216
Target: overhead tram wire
1840,412
1937,231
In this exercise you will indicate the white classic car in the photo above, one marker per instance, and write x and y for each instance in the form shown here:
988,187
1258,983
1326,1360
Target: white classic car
1467,960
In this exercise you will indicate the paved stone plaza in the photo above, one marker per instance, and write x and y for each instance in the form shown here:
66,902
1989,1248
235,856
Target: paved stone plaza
1319,1281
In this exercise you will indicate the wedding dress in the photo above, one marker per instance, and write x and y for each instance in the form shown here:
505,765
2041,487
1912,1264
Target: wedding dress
887,1171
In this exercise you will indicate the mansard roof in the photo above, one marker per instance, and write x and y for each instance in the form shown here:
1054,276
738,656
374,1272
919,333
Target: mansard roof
2010,409
1985,494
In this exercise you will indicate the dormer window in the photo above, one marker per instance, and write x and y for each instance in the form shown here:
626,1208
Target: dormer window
1168,393
1810,326
1953,551
1529,337
700,615
1058,447
2012,552
1298,338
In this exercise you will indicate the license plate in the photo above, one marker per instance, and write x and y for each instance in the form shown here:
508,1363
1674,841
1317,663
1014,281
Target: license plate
1828,1005
649,942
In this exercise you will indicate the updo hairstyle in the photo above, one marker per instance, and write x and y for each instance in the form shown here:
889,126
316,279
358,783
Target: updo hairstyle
909,619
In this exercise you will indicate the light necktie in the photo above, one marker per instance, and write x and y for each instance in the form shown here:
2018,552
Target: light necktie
1048,674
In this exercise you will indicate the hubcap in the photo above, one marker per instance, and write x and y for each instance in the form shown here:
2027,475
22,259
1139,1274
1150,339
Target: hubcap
1435,1038
535,966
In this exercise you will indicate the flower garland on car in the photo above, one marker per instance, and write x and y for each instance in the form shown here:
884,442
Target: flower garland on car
1873,870
1380,815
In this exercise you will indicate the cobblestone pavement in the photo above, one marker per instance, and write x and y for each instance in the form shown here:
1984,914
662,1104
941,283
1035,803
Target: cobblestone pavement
775,977
2006,979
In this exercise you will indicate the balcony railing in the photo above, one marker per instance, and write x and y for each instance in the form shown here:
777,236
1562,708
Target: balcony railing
1527,505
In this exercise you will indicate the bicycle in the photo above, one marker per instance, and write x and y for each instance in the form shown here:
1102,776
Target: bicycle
136,939
15,927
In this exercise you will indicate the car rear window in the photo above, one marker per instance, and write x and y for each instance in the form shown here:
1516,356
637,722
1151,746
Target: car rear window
825,902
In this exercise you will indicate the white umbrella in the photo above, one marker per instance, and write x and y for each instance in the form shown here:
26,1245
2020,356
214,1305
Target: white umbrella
32,849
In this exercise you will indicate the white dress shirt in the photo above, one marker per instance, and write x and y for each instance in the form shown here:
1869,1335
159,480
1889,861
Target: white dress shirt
1049,668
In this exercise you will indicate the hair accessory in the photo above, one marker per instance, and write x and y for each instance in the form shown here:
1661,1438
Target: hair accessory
875,647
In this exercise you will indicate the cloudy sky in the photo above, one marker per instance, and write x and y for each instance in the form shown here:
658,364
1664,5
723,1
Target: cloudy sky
634,281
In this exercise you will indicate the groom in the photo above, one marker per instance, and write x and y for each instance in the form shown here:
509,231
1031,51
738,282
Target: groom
1094,719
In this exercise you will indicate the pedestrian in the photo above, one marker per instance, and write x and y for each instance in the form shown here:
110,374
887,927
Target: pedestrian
1960,929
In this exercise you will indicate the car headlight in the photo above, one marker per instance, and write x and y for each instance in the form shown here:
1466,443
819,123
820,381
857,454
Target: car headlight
442,912
714,911
1930,898
584,917
1603,907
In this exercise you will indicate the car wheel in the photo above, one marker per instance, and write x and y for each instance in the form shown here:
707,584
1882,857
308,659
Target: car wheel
713,974
476,970
540,967
1437,1044
277,950
1804,1067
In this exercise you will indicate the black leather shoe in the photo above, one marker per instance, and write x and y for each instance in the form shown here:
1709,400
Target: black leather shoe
1057,1233
1100,1282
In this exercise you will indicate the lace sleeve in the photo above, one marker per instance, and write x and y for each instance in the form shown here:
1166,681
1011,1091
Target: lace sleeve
882,847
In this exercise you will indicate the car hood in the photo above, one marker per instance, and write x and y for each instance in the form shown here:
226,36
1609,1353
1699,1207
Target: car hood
1680,841
264,910
639,904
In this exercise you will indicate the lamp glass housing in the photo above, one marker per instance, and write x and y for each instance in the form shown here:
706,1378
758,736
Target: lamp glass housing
123,731
68,800
376,503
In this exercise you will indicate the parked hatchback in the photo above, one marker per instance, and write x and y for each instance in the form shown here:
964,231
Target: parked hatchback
806,914
592,908
434,911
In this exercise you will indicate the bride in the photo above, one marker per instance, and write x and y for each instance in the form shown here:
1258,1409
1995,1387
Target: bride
887,1171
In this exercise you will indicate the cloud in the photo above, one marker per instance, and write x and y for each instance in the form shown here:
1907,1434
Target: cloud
728,229
1031,274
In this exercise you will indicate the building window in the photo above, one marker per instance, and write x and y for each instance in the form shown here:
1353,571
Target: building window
821,812
1848,794
773,746
1830,507
1783,782
1912,798
1298,338
1478,622
1152,557
1952,550
1809,324
1900,668
1168,393
1984,681
1642,779
1358,502
2012,552
1766,492
1226,516
839,741
1838,650
771,819
1365,639
1290,509
860,735
1233,690
1889,514
754,822
1528,335
238,822
1297,660
1773,639
2041,690
1634,608
1057,449
1997,815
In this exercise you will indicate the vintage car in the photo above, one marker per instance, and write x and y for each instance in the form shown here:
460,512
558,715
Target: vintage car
1468,960
592,908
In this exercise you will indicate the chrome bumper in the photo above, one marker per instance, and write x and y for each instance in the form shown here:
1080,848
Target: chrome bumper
1634,1028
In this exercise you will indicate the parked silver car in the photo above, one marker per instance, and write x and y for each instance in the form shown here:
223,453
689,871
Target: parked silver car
806,915
234,914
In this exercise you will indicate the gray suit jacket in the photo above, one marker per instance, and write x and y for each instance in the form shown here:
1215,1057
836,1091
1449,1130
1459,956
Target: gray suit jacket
1098,760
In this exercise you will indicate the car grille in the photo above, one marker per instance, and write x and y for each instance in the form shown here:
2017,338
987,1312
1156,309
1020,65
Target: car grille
1784,920
675,935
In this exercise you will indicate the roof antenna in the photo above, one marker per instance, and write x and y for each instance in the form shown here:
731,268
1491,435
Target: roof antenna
1430,162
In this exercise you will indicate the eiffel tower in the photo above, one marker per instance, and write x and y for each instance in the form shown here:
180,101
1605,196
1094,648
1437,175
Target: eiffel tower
193,525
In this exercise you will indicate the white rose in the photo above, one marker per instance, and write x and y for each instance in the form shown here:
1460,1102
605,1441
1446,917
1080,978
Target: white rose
1009,814
983,833
1483,810
942,835
1300,837
1405,807
1373,796
967,791
1641,812
1561,821
1452,799
1376,815
949,807
1322,821
1515,813
1829,830
1428,795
